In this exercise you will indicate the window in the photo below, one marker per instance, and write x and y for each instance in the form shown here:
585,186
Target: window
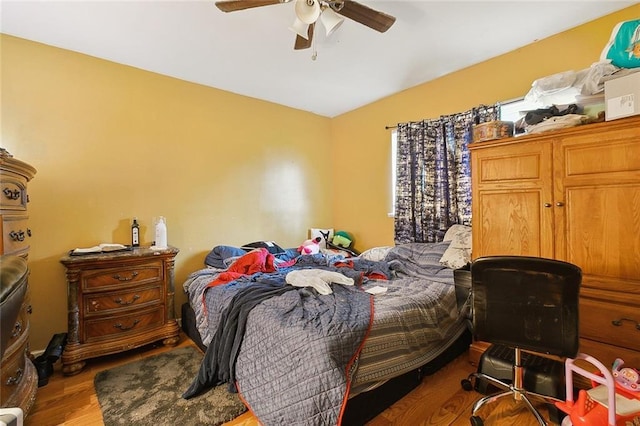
394,155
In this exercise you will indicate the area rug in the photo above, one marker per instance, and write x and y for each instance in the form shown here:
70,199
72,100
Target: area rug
148,392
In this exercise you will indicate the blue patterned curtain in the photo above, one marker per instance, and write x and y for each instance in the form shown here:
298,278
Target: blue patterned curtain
433,174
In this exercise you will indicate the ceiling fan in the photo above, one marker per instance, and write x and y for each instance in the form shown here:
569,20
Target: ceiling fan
329,12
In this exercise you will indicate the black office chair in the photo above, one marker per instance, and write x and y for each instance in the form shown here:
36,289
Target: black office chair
523,303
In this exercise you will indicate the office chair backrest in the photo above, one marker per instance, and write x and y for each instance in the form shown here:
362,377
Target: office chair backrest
527,302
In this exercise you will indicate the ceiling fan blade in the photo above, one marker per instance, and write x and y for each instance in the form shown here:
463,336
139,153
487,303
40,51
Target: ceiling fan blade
233,5
301,42
374,19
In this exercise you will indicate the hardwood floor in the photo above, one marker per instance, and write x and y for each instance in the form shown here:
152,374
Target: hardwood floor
438,400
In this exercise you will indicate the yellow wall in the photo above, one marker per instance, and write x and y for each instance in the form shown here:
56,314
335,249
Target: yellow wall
111,142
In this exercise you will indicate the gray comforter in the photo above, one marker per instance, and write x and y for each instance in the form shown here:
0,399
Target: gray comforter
300,350
296,346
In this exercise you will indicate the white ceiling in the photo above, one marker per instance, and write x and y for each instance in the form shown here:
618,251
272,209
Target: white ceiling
250,52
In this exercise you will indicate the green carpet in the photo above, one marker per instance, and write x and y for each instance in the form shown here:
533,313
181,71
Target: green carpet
148,392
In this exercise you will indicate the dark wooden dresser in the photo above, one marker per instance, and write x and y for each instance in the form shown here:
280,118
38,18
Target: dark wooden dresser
18,375
118,301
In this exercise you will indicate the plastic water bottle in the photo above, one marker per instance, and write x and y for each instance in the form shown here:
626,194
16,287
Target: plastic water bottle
161,233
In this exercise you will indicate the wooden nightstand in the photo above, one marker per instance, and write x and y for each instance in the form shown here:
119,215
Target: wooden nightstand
118,301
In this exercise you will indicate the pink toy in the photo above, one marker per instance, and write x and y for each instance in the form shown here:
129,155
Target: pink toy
627,378
310,246
614,399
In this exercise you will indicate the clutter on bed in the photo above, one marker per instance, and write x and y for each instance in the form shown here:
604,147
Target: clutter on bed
310,246
222,256
346,325
376,254
325,233
271,247
343,242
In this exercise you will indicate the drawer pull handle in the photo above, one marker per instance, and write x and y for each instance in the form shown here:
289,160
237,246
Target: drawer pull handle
17,236
12,195
119,278
123,303
618,322
14,380
17,329
29,309
123,328
547,205
29,232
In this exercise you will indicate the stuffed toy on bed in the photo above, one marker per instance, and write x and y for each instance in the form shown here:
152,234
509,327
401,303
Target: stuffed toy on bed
310,246
343,242
342,239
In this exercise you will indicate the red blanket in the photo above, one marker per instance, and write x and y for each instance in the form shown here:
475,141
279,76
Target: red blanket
259,260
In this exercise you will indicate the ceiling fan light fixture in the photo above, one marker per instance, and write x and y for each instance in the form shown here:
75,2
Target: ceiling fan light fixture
331,12
300,28
308,11
331,21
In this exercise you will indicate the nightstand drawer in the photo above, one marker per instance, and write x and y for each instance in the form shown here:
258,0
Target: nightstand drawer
131,275
117,301
610,323
16,234
119,326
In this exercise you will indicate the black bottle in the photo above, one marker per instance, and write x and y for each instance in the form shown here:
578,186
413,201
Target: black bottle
135,233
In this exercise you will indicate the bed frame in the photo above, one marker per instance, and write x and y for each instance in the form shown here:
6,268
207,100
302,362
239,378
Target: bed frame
367,405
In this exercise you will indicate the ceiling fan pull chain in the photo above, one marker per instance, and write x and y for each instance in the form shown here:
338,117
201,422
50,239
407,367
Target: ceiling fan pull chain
314,55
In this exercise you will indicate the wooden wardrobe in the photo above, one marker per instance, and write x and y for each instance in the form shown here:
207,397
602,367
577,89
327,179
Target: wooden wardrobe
572,195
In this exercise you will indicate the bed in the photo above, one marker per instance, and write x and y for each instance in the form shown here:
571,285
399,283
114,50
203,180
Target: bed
326,339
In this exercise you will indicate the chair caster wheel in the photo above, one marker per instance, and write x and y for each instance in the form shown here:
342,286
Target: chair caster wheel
466,384
476,421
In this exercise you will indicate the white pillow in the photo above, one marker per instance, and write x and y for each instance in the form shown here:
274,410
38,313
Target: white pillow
462,240
375,254
455,258
455,230
458,253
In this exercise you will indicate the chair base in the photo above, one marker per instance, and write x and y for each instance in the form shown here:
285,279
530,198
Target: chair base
518,394
541,375
514,372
